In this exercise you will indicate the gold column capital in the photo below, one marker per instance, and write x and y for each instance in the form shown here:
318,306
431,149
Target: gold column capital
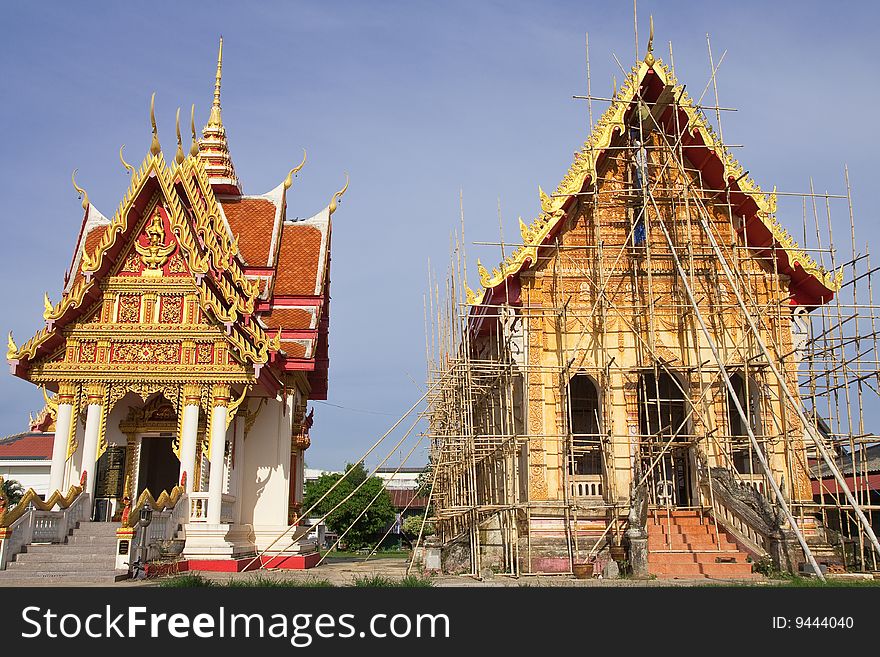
66,392
192,394
96,393
220,394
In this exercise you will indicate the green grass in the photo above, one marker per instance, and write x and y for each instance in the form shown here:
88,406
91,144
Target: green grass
261,581
381,581
384,554
188,581
794,581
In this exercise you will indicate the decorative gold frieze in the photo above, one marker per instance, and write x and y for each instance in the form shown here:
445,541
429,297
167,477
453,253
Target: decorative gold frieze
145,352
129,309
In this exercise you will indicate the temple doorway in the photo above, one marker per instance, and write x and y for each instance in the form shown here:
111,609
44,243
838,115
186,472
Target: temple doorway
159,466
665,440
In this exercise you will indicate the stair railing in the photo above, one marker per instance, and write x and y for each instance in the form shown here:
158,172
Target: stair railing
170,511
33,520
732,507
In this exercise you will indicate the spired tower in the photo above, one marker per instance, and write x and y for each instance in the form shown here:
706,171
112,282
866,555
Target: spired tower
628,377
189,336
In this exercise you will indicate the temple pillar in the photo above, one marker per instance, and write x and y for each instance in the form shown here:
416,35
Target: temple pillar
219,411
65,419
189,434
94,425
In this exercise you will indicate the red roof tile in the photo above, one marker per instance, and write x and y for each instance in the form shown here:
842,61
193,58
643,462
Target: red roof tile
252,219
298,260
36,446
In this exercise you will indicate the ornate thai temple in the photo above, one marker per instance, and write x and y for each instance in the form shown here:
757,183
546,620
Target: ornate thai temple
179,356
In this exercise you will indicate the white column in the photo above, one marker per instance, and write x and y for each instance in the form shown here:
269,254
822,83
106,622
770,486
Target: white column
215,456
64,417
94,418
235,478
189,435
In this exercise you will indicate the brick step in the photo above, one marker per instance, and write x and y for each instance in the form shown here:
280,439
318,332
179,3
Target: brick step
86,566
680,513
684,522
705,543
63,556
695,530
699,570
696,557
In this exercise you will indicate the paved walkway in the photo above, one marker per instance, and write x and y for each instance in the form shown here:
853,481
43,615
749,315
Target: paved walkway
344,571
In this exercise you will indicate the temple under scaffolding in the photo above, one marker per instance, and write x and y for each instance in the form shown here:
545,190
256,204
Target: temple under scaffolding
657,374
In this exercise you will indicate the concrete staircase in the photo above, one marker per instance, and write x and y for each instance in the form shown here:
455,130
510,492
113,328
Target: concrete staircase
88,557
684,545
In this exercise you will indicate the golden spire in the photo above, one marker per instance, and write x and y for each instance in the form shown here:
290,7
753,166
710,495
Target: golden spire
213,149
80,190
194,148
214,118
649,57
179,156
338,195
127,166
295,170
155,147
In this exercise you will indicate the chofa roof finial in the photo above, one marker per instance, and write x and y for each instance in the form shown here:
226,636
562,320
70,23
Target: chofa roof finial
82,193
295,170
128,167
155,146
338,195
194,148
649,57
179,156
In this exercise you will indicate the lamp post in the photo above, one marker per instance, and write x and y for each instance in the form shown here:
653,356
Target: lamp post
139,567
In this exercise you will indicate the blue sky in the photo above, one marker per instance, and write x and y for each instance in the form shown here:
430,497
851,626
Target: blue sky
416,100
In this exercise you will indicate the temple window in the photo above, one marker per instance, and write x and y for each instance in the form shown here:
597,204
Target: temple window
586,453
745,461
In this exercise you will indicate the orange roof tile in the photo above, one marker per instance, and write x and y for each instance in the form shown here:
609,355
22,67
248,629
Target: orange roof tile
293,349
300,253
289,318
252,219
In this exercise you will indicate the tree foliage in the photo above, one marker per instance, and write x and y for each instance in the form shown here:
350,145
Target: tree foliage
413,524
13,491
369,528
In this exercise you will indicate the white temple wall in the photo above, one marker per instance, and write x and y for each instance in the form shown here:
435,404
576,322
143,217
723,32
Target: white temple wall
265,473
